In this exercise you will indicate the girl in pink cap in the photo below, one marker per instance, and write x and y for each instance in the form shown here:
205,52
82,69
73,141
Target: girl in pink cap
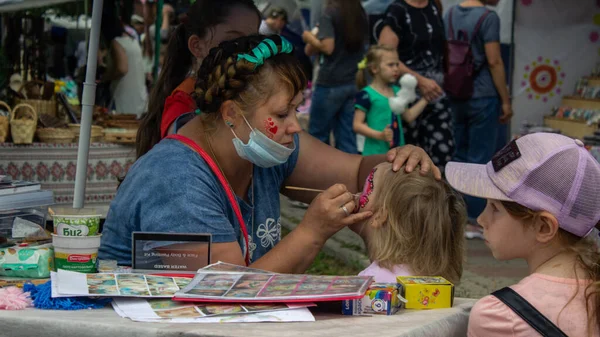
543,206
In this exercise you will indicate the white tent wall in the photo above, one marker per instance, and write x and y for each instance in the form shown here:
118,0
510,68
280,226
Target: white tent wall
553,40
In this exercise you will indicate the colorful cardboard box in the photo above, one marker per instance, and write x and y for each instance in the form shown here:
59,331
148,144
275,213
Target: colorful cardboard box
380,299
426,292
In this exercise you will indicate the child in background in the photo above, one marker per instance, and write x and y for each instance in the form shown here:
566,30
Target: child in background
416,228
373,116
543,203
274,21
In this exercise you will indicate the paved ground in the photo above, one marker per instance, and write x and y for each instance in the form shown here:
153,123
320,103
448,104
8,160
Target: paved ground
482,273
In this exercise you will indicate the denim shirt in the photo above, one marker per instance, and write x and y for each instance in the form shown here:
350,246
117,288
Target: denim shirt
172,189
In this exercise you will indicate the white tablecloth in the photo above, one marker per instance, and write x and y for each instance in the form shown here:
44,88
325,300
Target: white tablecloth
105,322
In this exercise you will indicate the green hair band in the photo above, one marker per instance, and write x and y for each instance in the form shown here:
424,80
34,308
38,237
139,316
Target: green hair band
267,48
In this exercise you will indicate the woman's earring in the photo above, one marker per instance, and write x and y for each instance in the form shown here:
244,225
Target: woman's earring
229,123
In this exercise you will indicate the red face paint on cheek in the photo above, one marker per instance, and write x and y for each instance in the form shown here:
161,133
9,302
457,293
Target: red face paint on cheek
270,127
367,190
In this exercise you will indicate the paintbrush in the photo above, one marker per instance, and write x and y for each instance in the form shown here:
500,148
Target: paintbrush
296,188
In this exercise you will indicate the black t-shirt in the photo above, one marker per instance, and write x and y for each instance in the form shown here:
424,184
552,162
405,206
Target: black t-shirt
421,34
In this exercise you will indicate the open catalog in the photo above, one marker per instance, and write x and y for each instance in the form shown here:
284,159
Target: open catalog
223,282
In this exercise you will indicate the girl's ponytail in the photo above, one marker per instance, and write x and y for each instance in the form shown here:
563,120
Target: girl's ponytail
361,74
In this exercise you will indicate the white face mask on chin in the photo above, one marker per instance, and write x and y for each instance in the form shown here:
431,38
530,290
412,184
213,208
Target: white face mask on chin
261,150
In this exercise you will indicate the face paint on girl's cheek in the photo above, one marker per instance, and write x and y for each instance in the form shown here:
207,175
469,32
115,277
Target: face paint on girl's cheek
270,127
367,190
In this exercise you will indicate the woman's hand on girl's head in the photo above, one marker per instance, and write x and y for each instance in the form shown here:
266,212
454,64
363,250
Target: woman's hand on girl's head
326,215
412,156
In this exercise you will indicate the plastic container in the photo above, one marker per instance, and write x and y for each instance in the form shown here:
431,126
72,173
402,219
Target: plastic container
76,222
27,261
76,253
28,206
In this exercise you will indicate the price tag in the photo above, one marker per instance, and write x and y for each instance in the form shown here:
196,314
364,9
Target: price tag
170,251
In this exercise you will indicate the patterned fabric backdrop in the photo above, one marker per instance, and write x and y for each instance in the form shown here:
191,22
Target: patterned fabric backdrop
54,165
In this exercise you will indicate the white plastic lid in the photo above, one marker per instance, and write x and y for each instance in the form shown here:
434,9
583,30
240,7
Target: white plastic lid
26,200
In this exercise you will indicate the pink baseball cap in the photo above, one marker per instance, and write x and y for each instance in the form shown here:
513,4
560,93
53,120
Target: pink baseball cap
543,172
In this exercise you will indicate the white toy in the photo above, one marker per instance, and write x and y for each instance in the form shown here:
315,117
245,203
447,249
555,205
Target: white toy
406,95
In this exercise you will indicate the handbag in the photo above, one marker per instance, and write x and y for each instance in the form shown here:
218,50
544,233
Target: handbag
528,313
226,187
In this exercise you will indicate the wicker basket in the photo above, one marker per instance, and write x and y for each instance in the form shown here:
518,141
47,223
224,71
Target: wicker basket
120,136
4,121
23,129
96,134
123,124
41,106
55,135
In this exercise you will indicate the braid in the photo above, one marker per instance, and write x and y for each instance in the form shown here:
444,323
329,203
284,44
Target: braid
222,77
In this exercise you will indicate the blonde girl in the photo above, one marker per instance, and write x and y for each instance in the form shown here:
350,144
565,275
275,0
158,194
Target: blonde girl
373,117
416,228
543,205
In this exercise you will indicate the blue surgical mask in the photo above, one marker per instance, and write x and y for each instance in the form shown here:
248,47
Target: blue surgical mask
261,150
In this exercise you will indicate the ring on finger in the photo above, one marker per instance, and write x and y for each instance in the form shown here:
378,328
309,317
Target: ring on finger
345,210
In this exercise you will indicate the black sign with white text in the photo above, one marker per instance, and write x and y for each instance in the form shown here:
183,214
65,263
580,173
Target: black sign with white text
170,251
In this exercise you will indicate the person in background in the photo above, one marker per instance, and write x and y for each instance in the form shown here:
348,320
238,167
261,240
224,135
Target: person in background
125,70
167,25
416,29
316,10
477,120
376,10
208,23
81,55
543,206
341,43
274,21
147,38
137,22
373,115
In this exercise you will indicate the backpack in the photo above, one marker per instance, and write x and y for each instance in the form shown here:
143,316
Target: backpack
460,75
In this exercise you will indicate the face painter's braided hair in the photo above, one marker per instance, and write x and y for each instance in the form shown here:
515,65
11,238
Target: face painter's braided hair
223,76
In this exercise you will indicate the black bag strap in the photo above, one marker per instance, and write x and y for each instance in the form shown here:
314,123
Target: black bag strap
450,25
528,313
475,30
479,23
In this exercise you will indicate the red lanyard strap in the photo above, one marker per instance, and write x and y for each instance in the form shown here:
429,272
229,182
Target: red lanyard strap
224,183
